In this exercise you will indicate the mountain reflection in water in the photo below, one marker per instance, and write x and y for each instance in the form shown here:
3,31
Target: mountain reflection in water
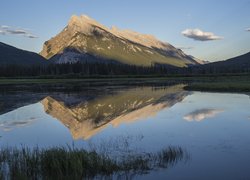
87,118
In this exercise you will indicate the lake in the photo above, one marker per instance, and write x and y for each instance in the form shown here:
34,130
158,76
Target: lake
213,128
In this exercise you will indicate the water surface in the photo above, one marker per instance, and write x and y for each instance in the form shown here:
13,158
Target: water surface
212,127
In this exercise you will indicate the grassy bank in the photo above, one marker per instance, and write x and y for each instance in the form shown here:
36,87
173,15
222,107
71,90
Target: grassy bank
68,163
237,83
61,79
219,86
227,83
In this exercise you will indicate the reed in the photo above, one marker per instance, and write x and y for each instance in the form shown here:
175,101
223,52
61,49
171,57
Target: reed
77,163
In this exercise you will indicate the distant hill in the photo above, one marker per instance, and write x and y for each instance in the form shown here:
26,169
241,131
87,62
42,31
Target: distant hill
239,61
239,64
84,39
11,55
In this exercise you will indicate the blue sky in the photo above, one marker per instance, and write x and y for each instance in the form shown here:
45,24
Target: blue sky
228,20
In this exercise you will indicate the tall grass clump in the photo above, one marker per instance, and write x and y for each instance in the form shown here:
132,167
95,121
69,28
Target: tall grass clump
77,163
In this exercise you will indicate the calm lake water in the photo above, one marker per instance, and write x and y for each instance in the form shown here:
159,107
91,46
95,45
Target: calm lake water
213,128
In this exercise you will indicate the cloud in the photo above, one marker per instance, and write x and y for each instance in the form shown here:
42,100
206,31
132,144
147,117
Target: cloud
5,27
7,30
185,48
201,114
200,35
248,29
31,36
16,31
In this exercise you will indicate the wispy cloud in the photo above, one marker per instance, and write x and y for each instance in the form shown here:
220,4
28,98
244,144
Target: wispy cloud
200,35
248,29
202,114
4,27
185,48
7,30
16,31
31,36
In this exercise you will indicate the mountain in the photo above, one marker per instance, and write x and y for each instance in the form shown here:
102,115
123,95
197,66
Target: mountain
242,61
239,64
199,61
11,55
84,39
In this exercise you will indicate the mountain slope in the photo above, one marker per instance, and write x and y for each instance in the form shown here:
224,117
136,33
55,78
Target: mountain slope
239,63
84,39
242,60
11,55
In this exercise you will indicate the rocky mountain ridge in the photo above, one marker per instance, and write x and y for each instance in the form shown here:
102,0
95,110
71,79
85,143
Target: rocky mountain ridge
84,39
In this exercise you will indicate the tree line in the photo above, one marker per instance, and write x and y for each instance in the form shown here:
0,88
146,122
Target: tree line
82,69
92,69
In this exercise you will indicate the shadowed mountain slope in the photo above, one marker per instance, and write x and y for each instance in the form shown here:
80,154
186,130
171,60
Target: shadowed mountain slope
11,55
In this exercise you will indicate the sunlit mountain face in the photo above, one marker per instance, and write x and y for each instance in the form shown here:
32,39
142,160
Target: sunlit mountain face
86,40
87,118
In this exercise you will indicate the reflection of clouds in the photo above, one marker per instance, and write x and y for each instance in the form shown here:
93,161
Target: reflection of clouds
8,125
6,129
202,114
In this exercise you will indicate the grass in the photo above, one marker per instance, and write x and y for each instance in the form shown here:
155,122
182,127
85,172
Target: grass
114,80
220,87
73,163
222,84
227,83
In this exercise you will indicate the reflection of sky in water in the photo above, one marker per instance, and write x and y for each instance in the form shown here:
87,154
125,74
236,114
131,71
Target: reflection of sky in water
38,128
218,146
18,118
33,123
8,125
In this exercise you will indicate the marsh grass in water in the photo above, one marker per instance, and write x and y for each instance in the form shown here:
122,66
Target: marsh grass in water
75,163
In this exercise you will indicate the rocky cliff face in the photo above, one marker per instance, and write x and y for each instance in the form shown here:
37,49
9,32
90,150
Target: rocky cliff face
84,39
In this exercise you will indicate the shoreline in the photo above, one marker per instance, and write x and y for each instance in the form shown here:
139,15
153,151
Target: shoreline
233,83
